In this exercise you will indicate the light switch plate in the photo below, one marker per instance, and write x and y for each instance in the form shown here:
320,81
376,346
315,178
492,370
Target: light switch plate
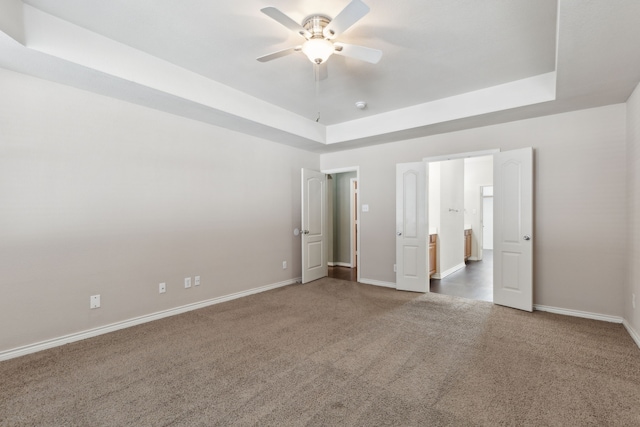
365,208
94,301
162,288
196,281
187,282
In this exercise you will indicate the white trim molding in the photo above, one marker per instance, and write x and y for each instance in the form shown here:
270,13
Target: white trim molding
339,264
377,283
634,334
78,336
466,155
452,270
578,313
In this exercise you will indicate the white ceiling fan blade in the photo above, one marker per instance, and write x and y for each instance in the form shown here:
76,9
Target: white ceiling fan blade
278,54
345,19
283,19
320,71
358,52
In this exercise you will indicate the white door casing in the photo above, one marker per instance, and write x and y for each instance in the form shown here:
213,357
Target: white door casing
314,225
353,215
412,260
513,229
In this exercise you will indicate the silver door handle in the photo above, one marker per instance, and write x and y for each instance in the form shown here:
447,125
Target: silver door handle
527,237
399,233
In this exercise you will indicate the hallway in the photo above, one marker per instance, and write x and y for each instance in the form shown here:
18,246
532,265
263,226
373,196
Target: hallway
344,273
475,281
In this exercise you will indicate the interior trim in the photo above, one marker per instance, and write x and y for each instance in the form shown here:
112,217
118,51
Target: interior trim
377,283
452,270
67,339
578,313
634,334
339,264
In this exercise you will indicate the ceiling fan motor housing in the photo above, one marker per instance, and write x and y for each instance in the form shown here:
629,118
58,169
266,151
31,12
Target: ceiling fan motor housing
315,25
317,48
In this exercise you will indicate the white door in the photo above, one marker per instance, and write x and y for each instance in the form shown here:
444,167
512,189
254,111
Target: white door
314,225
412,260
513,226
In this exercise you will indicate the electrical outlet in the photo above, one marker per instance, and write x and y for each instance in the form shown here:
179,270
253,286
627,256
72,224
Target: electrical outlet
196,281
633,300
395,268
284,265
187,282
94,301
162,288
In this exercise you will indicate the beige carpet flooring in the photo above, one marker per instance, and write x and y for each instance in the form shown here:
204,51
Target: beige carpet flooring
335,353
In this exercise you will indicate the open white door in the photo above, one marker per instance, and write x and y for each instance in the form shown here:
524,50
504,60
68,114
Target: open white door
412,260
314,225
513,226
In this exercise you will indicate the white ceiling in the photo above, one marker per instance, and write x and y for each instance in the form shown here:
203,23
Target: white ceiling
433,50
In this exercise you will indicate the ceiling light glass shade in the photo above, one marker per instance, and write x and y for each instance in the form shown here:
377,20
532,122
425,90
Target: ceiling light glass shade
318,50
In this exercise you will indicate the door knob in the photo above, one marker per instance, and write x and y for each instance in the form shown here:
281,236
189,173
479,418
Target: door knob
306,231
399,233
527,237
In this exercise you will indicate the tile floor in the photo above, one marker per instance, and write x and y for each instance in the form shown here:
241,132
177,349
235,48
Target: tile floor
344,273
475,281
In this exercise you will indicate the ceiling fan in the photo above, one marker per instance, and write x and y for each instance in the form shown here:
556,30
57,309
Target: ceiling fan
319,32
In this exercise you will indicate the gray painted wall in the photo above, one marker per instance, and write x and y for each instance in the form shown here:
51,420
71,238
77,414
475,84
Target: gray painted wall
451,232
99,196
478,171
580,201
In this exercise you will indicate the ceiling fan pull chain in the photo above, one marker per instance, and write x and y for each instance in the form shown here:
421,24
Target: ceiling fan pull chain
317,73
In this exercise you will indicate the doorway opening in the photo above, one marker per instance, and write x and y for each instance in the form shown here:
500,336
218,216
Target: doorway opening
461,227
343,235
513,226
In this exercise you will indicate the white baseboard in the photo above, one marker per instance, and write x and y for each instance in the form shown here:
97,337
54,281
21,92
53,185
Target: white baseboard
445,273
634,334
377,283
66,339
339,264
578,313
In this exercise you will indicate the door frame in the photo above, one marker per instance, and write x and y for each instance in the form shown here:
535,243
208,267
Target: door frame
457,156
353,219
461,155
355,169
489,153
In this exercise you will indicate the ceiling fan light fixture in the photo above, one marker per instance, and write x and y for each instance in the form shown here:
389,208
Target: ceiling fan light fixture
318,50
